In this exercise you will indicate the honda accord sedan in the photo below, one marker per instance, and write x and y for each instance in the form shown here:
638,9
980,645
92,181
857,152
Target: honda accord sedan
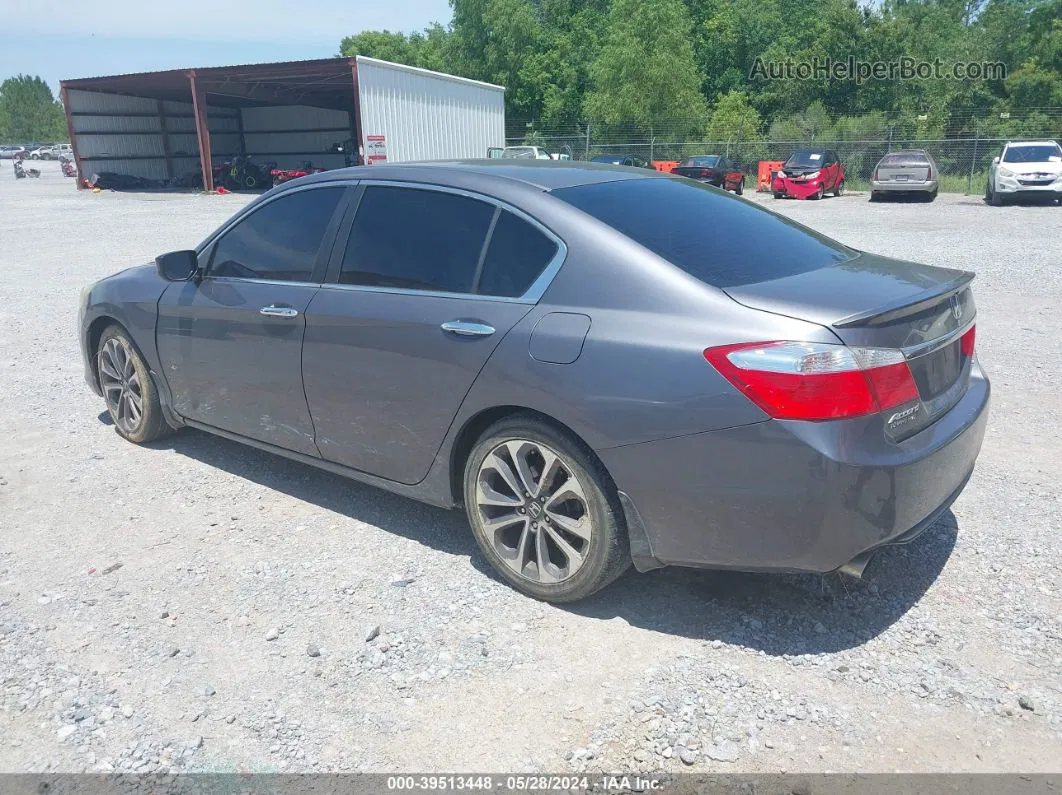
601,365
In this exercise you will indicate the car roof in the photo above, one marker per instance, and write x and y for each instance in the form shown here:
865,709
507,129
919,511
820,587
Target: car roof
544,175
1032,143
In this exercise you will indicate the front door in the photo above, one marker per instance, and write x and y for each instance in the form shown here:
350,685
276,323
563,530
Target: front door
231,342
428,284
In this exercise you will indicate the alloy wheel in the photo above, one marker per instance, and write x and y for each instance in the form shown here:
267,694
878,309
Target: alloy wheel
121,385
534,511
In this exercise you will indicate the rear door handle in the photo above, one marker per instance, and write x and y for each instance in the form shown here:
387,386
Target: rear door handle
464,328
278,311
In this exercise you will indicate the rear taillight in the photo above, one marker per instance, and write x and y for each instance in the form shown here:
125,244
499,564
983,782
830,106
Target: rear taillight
816,381
968,341
876,175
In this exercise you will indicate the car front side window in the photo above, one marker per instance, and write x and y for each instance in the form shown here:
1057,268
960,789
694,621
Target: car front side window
279,241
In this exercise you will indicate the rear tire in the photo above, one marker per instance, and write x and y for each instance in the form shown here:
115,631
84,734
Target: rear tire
930,197
838,189
875,197
778,195
740,187
531,490
132,400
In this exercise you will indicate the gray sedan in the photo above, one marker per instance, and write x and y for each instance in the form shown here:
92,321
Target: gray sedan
907,171
600,364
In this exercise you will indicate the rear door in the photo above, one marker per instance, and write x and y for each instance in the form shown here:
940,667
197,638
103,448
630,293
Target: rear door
424,284
231,342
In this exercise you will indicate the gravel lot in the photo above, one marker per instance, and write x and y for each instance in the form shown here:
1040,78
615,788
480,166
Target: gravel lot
198,605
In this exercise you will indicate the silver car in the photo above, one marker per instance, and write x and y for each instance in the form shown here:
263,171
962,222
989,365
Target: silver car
908,171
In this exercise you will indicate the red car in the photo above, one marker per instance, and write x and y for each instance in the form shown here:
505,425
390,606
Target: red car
809,174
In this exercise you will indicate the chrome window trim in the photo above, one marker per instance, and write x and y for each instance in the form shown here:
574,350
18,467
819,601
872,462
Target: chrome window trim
240,280
532,295
923,348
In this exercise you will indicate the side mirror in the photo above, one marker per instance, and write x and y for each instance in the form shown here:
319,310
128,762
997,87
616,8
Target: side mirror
177,266
995,161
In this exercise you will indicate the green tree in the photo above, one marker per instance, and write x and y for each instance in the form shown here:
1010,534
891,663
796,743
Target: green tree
733,118
382,44
645,71
29,112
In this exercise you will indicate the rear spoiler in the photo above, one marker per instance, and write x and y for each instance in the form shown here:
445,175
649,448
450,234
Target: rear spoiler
884,315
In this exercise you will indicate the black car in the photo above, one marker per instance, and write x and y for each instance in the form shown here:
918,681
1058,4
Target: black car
622,160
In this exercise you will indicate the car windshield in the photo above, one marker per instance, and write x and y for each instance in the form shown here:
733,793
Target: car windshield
704,160
519,152
721,240
806,159
1032,154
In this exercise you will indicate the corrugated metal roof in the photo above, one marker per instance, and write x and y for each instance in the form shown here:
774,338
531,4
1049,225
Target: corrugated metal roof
427,72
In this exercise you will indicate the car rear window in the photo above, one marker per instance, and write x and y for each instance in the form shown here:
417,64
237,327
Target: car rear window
905,159
719,239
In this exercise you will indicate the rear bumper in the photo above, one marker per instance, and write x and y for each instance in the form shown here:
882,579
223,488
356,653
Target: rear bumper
795,496
903,187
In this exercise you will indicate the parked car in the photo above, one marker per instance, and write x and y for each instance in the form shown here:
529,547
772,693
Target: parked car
809,174
525,153
622,160
715,170
905,172
50,152
9,152
599,365
1025,168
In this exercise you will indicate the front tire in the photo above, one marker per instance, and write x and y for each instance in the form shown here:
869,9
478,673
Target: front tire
993,197
778,194
819,193
544,511
132,400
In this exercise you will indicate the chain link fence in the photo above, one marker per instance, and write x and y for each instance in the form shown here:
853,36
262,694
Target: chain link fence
963,160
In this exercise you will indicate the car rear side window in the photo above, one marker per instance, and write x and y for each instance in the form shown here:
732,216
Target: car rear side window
517,254
280,240
416,239
719,239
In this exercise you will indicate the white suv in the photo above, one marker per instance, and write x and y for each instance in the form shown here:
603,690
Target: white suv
1025,168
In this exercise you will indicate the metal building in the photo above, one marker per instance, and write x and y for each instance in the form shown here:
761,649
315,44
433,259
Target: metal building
169,125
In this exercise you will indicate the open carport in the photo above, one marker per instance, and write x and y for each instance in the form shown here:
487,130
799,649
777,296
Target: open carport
171,127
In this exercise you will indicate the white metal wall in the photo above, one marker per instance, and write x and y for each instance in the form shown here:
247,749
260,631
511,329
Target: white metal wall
292,134
125,135
427,115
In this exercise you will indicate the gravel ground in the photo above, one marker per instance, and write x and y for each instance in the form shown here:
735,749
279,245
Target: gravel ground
198,605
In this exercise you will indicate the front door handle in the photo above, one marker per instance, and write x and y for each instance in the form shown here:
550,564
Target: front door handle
278,311
464,328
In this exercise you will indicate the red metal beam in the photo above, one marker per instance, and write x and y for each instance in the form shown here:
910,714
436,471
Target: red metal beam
202,132
72,133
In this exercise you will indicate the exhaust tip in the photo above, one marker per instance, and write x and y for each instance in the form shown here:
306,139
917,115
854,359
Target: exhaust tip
856,566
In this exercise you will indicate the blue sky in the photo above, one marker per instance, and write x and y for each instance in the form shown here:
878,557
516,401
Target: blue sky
63,39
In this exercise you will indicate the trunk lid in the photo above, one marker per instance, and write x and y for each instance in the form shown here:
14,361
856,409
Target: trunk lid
877,302
903,173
